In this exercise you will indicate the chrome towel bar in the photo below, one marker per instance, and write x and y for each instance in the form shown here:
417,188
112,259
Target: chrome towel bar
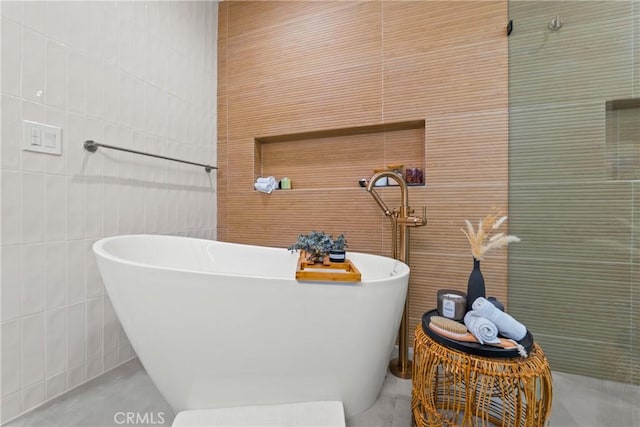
92,146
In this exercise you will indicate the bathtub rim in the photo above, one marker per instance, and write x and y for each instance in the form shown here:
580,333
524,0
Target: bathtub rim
98,249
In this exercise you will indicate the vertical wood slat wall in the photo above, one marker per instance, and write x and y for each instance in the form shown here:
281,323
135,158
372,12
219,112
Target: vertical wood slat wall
294,67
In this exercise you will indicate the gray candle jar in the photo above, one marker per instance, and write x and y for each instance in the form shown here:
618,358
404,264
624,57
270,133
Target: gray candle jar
452,304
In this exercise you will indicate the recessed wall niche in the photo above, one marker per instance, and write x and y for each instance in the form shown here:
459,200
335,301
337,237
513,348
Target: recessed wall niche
623,139
338,158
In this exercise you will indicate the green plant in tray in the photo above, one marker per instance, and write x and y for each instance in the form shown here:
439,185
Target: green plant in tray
318,244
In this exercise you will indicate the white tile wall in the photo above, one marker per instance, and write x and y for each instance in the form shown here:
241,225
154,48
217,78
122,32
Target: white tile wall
33,354
76,323
55,275
33,59
11,131
56,385
136,74
11,274
33,15
55,205
55,164
34,395
56,341
32,206
11,358
10,208
56,73
32,279
11,53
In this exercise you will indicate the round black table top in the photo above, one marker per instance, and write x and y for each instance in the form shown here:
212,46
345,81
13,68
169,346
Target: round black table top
474,347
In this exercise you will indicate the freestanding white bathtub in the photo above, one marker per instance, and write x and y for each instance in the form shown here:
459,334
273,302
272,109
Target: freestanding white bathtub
221,324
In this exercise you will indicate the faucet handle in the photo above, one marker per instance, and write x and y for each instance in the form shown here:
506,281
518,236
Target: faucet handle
423,219
415,221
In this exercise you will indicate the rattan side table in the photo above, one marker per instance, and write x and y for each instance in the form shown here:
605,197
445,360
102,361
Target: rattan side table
453,388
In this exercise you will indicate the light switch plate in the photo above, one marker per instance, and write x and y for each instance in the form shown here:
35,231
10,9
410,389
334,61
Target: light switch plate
41,138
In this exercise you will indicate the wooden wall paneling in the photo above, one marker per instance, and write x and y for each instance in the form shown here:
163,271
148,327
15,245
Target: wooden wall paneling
221,190
276,219
223,42
468,149
295,67
223,118
240,165
254,16
352,97
447,209
418,27
329,76
318,43
468,78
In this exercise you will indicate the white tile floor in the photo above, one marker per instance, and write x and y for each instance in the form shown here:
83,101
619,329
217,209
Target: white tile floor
103,402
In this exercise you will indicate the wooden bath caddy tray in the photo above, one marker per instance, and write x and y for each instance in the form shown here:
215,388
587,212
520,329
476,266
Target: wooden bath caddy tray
327,271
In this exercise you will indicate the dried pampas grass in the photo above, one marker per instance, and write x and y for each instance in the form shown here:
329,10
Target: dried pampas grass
482,241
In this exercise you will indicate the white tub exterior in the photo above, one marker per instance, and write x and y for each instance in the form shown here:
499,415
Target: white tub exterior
220,324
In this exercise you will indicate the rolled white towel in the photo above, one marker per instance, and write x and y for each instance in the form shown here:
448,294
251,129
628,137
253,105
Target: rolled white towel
268,180
265,188
507,325
483,329
266,185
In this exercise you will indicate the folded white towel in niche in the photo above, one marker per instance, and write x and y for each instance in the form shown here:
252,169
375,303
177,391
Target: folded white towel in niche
507,325
266,185
483,329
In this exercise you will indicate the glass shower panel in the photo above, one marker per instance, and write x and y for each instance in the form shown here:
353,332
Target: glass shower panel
574,182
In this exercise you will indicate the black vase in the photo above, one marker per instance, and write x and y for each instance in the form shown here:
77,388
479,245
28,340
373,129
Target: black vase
475,286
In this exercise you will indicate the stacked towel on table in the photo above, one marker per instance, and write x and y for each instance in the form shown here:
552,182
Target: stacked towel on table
266,185
484,311
483,329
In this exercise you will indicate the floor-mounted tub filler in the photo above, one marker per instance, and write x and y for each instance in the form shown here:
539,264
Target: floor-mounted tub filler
222,325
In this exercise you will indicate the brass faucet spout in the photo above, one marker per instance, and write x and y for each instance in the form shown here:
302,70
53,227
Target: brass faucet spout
398,178
380,202
403,187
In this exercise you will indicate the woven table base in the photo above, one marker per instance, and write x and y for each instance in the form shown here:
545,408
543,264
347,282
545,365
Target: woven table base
452,388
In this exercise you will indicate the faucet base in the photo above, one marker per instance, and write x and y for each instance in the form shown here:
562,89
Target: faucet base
400,371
